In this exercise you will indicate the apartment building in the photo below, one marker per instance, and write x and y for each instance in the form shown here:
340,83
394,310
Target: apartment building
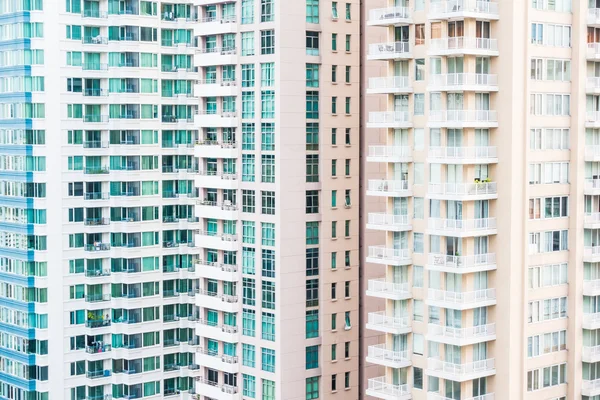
488,169
179,199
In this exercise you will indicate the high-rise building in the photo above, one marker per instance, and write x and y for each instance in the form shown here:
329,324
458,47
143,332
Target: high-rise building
179,199
489,160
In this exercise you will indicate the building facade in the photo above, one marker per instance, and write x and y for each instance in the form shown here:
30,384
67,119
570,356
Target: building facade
179,199
487,164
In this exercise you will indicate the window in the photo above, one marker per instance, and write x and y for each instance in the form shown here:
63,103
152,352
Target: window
248,105
312,43
347,137
312,75
247,11
267,130
312,261
248,201
312,105
268,234
334,291
334,105
553,172
546,377
267,42
347,108
549,139
334,10
268,202
247,73
546,343
312,136
268,326
418,344
418,243
347,199
312,201
551,35
333,321
268,360
312,388
347,167
417,378
346,380
419,103
248,140
347,322
334,73
248,291
312,168
333,382
554,5
268,168
312,233
347,228
347,289
547,275
347,258
347,350
334,42
268,263
312,324
333,136
418,309
312,293
248,167
267,10
546,310
267,104
248,355
333,229
553,207
249,388
537,69
417,276
312,11
267,74
268,390
248,232
248,322
348,68
333,352
348,41
312,357
248,44
419,34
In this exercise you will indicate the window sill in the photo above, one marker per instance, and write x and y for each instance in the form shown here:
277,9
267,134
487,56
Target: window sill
334,361
334,391
334,83
346,389
346,358
348,145
347,298
334,300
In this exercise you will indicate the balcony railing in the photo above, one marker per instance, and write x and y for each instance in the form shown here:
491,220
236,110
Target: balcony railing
470,368
593,50
97,247
380,16
380,319
96,221
389,50
462,225
592,184
593,16
592,83
391,152
463,6
470,333
464,79
380,352
463,189
591,252
479,154
388,220
382,286
389,83
461,299
97,323
463,116
461,262
387,186
389,254
389,117
590,288
437,396
592,117
380,386
463,44
589,387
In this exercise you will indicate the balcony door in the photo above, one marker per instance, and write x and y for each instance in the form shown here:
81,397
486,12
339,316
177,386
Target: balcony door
452,354
482,208
401,103
482,65
399,376
480,351
399,308
453,246
480,316
454,138
482,137
454,101
455,65
454,210
400,240
482,30
480,245
401,68
399,343
401,34
453,282
400,206
400,137
453,318
479,387
399,274
480,280
400,172
454,174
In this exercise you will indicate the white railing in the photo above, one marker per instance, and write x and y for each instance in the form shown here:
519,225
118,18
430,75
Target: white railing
593,49
389,117
591,319
383,219
463,153
591,251
389,151
456,6
376,185
591,286
589,386
380,385
593,218
591,184
381,352
389,13
459,262
389,82
464,43
462,225
593,82
390,254
591,351
592,151
379,318
463,116
461,369
471,332
389,49
383,286
463,189
593,15
592,116
461,298
437,396
462,79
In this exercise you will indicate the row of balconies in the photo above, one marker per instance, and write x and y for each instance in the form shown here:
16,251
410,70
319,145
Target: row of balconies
447,46
436,154
436,226
437,83
447,9
436,119
441,191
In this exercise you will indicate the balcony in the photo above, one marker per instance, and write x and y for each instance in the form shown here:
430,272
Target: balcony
215,301
389,85
463,119
461,336
592,85
463,82
461,264
388,188
217,180
219,362
437,396
591,220
380,389
591,288
460,9
461,300
592,153
212,209
389,51
389,16
591,253
388,256
97,298
208,329
215,26
214,240
388,222
221,272
215,390
379,354
389,154
383,289
97,323
590,354
214,149
591,321
389,119
592,119
216,88
380,322
209,119
462,227
215,56
450,46
96,221
593,51
463,155
590,388
593,17
97,247
461,372
592,186
463,191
